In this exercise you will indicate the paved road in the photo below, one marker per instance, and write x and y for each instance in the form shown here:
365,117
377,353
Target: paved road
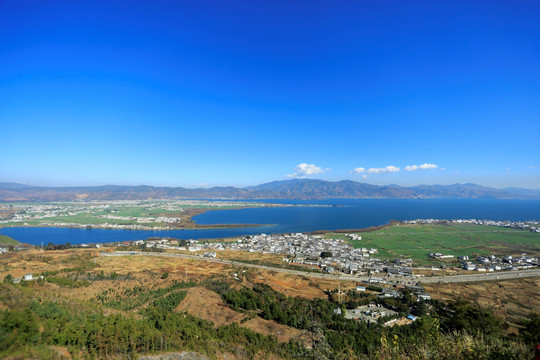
425,279
500,275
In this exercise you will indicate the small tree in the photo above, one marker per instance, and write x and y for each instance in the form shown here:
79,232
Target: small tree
531,329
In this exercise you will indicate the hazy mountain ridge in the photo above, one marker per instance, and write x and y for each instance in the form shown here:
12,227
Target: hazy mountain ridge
285,189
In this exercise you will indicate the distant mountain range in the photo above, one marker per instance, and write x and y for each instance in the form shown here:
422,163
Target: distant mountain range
286,189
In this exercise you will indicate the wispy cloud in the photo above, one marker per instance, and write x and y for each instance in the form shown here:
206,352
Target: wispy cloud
358,171
385,169
425,166
304,170
391,169
532,167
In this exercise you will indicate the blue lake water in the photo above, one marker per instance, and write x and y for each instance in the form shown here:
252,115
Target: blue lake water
347,214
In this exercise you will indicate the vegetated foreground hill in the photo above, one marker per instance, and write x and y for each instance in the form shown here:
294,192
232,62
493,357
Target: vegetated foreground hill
105,307
287,189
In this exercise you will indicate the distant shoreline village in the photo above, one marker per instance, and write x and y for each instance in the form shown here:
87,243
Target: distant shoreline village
522,225
152,215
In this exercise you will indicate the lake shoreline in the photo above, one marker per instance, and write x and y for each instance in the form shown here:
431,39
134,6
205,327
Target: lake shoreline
295,217
187,222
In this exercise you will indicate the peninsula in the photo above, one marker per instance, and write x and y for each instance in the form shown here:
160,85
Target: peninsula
121,214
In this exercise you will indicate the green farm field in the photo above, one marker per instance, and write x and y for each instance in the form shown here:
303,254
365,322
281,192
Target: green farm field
112,213
417,241
6,240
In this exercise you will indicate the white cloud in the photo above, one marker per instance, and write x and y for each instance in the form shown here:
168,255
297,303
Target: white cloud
425,166
360,170
391,168
304,170
364,176
532,167
386,169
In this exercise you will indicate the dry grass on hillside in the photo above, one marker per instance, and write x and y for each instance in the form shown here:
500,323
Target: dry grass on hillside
177,267
251,256
509,299
293,285
206,304
33,262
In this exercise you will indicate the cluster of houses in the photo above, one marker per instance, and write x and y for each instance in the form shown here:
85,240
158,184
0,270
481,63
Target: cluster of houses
369,313
142,220
313,250
27,277
493,263
52,214
18,247
29,211
414,288
440,256
373,312
299,249
107,226
532,226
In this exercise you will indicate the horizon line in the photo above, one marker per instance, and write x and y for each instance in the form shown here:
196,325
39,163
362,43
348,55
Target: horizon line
243,187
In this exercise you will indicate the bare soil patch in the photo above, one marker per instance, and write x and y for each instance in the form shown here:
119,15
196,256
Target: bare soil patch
281,332
208,305
178,268
62,352
251,257
294,285
512,299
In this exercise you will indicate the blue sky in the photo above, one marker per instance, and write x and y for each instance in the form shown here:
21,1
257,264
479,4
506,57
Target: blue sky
209,93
